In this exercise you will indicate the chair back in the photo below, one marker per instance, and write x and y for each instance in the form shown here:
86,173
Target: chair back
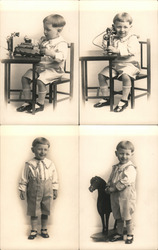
145,55
69,64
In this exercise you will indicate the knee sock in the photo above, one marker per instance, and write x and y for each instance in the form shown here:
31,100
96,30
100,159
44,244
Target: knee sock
27,93
129,226
41,97
104,90
34,220
126,91
44,221
120,224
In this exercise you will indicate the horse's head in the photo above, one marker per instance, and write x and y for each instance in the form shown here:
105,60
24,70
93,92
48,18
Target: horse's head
97,183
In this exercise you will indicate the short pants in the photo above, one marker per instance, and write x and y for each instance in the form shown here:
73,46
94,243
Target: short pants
46,76
121,68
39,197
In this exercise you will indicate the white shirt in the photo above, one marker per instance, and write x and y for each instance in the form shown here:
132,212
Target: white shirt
43,170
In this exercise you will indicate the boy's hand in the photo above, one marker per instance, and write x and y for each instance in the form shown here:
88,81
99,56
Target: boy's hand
47,52
22,195
110,190
112,49
55,194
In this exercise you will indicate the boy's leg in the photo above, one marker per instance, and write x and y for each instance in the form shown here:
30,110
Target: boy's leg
34,220
33,234
104,90
44,222
26,82
26,87
39,106
126,86
41,92
129,226
119,235
123,103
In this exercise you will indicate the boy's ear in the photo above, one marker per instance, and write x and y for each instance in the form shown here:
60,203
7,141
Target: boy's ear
60,29
116,153
32,149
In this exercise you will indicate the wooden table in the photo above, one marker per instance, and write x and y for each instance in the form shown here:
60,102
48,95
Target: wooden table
7,71
95,55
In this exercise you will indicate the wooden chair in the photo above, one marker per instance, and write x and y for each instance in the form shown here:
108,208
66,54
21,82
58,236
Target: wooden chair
67,78
145,73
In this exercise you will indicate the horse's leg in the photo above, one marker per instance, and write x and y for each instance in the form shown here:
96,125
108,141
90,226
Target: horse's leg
103,222
107,222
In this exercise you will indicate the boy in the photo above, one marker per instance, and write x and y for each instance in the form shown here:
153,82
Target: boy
126,65
40,182
54,48
122,191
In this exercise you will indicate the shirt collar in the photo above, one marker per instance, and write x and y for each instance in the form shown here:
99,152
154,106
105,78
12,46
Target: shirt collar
123,166
34,163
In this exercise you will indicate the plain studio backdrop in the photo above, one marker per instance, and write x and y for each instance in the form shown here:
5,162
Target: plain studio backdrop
27,17
95,17
63,222
97,155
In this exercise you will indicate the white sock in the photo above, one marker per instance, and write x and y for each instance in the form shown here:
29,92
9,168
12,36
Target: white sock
105,90
27,93
126,91
41,97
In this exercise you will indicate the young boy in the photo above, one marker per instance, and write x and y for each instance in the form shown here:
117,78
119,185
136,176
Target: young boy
122,191
54,48
40,182
126,65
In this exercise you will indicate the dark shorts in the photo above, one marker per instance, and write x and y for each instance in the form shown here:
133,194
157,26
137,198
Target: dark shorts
39,197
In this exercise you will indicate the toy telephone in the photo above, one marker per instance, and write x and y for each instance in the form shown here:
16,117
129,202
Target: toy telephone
108,38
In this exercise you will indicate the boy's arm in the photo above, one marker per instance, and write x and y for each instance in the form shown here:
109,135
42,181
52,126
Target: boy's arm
57,54
55,182
55,194
129,48
23,182
128,178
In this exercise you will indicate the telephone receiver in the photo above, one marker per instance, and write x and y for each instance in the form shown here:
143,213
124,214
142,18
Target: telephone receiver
108,36
109,32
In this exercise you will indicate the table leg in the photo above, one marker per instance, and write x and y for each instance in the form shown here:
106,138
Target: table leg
83,79
86,82
33,90
9,72
111,86
6,82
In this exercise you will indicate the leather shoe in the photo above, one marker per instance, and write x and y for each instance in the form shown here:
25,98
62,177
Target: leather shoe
102,104
32,235
24,107
116,237
121,108
40,108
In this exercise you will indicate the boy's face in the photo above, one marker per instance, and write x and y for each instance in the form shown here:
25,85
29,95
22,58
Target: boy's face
40,151
122,28
123,155
50,32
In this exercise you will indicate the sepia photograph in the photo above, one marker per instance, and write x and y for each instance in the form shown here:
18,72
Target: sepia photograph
39,58
118,62
78,125
118,187
39,187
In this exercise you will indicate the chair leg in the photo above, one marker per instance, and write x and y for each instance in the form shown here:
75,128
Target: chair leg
132,95
50,92
54,95
148,87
